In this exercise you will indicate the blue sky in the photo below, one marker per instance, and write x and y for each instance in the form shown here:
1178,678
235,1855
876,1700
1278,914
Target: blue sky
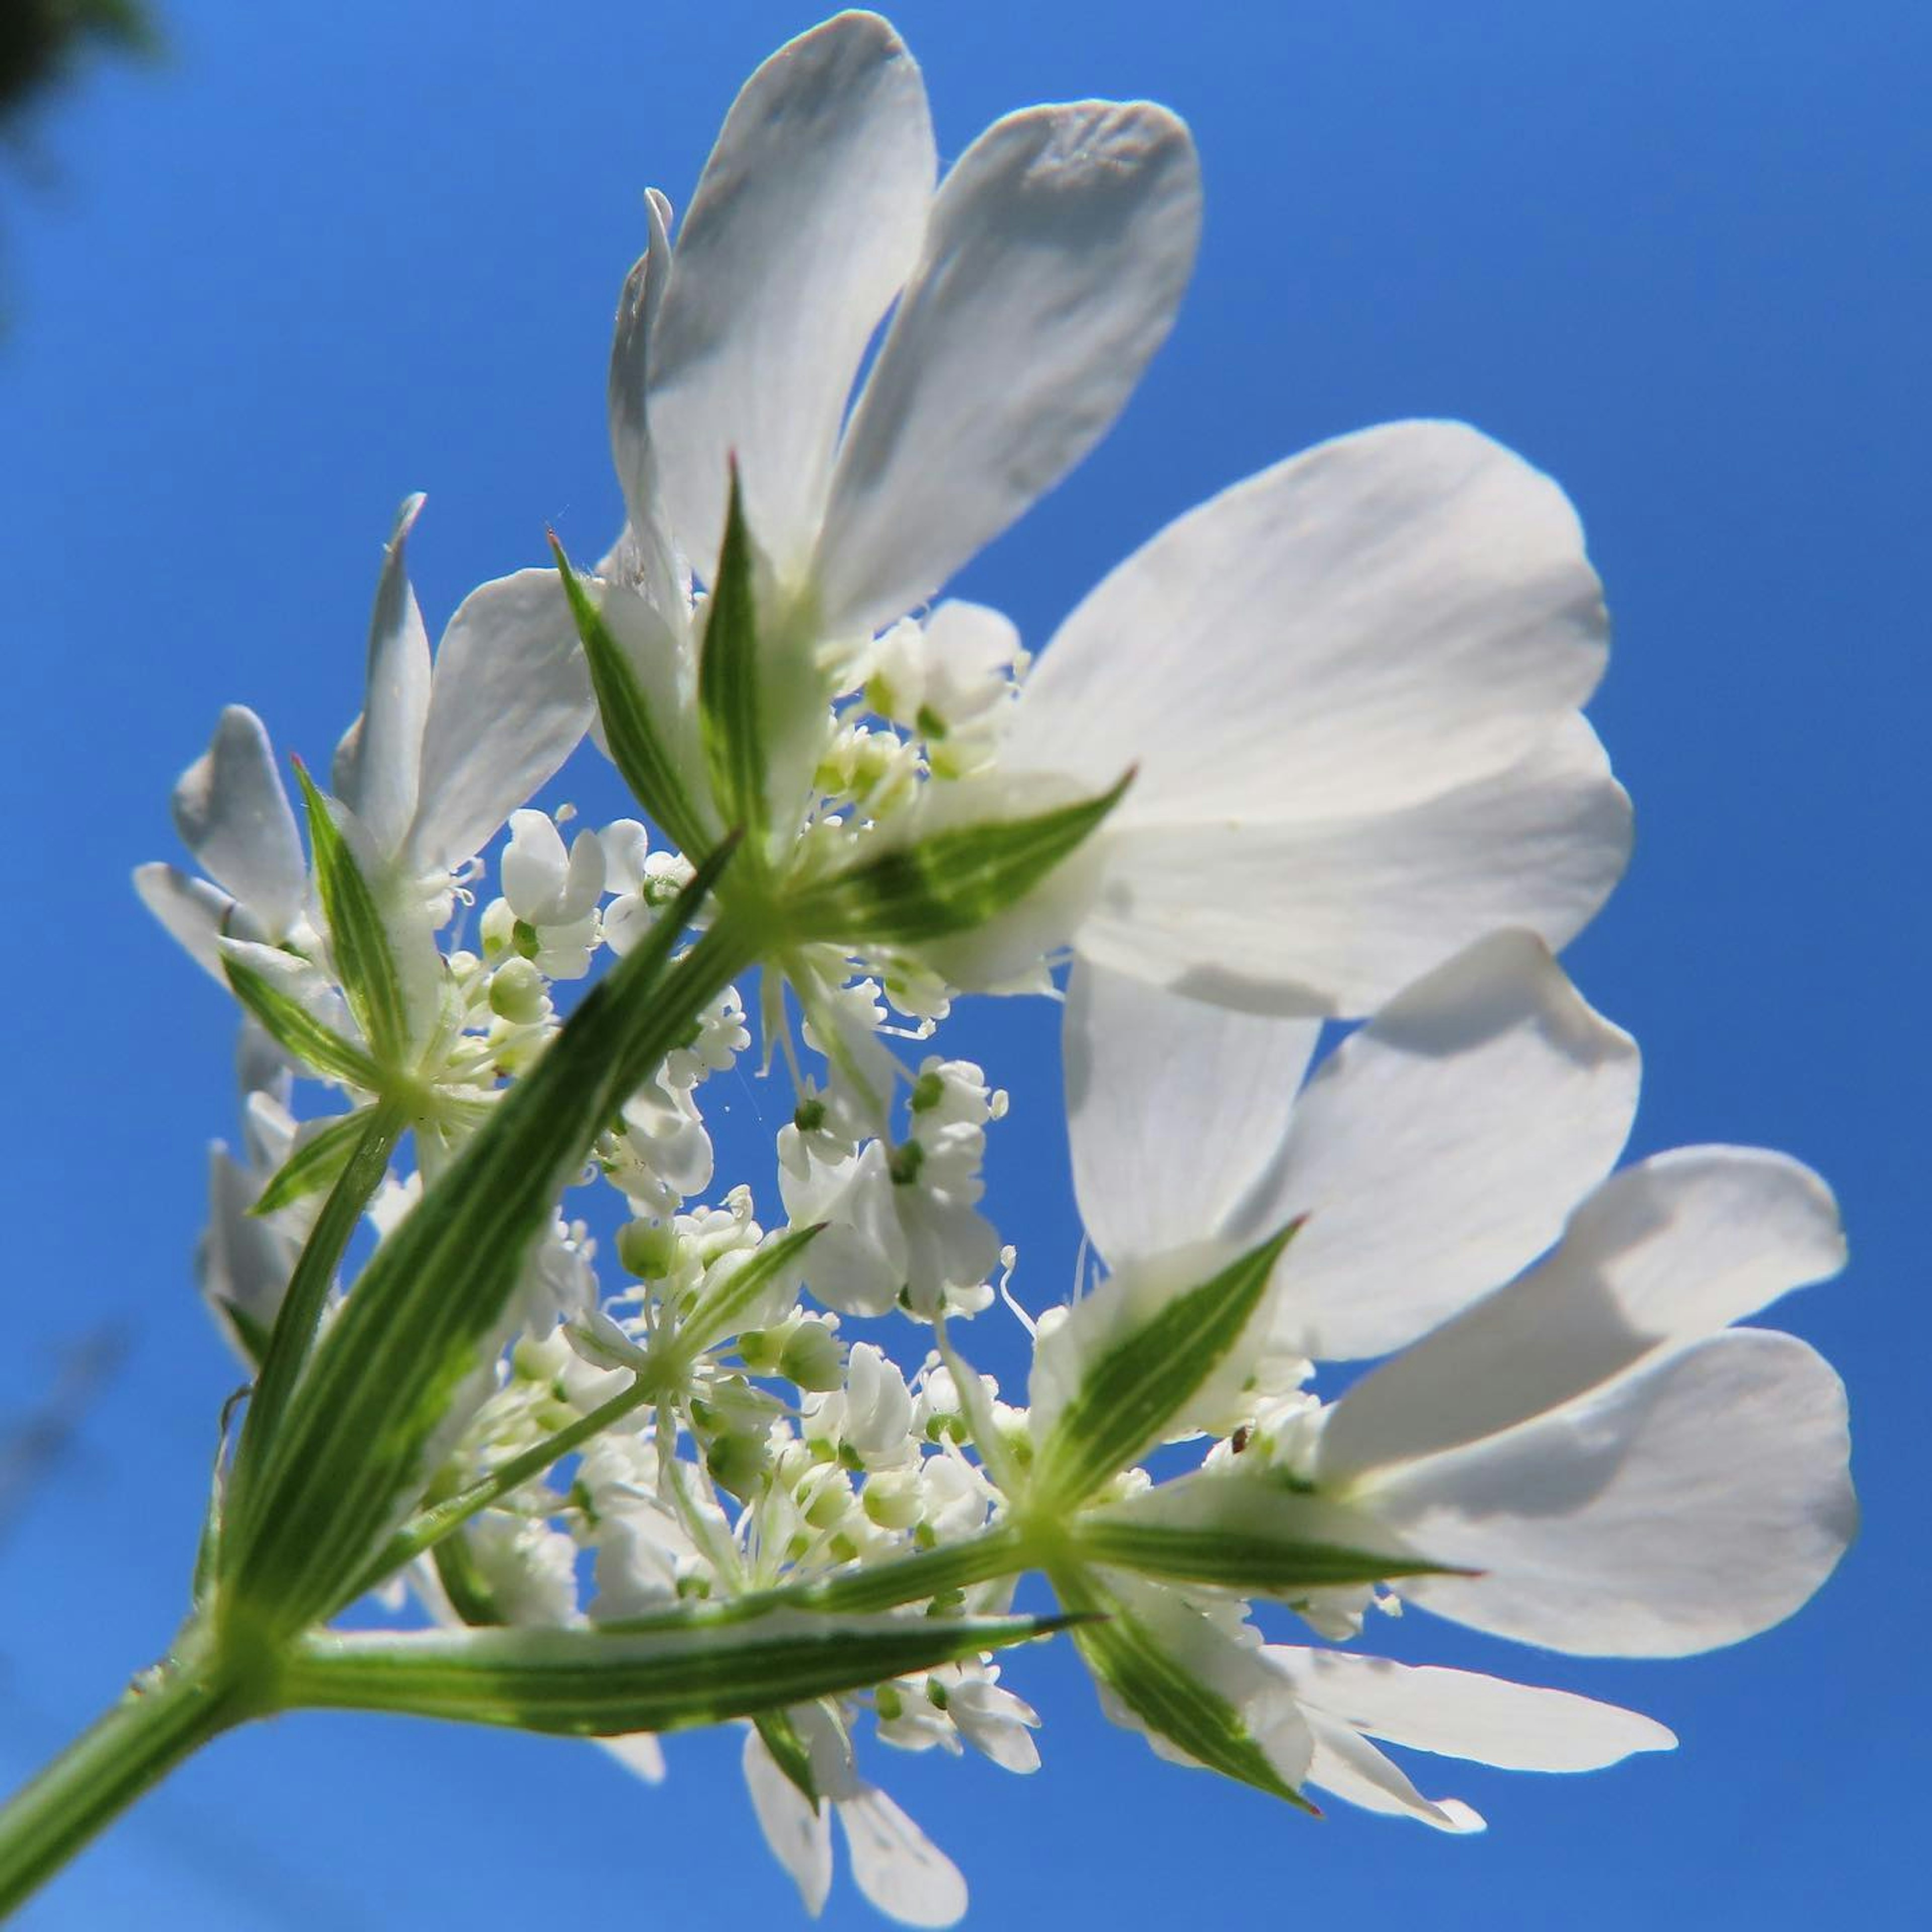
1674,256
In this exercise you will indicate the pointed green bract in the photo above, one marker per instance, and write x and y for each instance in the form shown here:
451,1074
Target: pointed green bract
691,1670
637,746
722,1312
1125,1655
357,933
780,1737
339,1470
315,1165
1247,1534
292,1337
948,883
1136,1384
731,723
294,1027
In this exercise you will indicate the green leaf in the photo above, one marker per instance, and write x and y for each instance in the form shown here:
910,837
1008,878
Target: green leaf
947,883
315,1164
693,1670
1144,1668
1162,1348
638,747
730,708
1248,1534
357,934
293,1027
340,1469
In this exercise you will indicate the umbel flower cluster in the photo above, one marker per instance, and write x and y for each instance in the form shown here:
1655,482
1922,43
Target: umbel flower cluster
1312,755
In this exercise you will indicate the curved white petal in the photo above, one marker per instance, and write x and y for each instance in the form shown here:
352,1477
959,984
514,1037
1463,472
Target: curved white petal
1389,616
897,1867
1463,1713
800,1837
1174,1108
378,762
1057,253
509,702
805,225
1439,1151
1693,1503
233,814
1665,1251
241,1262
1334,917
533,868
196,913
1347,1764
645,552
639,1753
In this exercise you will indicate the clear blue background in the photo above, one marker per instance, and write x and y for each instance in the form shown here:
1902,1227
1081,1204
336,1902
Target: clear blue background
1675,253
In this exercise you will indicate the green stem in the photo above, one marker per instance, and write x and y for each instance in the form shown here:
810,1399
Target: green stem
163,1718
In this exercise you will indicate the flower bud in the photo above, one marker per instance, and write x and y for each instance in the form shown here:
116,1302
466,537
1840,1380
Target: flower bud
810,1357
516,992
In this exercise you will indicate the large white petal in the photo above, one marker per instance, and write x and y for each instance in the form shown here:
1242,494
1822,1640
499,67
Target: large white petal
1693,1503
379,760
233,814
196,913
1665,1251
1439,1151
510,700
1058,250
897,1867
1390,615
1463,1713
1334,917
1174,1108
800,1837
805,223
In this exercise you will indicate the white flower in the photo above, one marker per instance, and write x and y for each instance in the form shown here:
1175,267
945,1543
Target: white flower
441,754
896,1225
1026,293
899,1870
1628,1476
553,892
1347,687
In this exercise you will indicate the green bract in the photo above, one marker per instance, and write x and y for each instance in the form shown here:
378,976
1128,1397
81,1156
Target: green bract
593,1683
358,935
1142,1372
637,747
949,881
